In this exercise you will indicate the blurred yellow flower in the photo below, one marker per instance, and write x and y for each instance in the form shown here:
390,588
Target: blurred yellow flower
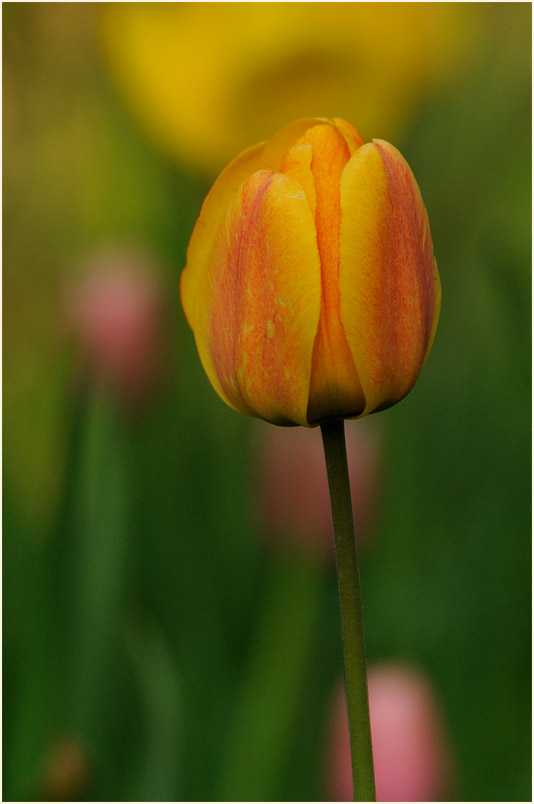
206,79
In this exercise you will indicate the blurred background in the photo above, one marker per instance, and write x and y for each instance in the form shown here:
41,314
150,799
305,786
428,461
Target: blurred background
171,627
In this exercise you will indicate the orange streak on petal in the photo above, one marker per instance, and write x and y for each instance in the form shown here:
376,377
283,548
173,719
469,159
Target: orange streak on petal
193,279
335,387
265,300
388,281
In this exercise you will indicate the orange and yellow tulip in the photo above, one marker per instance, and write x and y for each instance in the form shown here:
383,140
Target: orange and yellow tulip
311,284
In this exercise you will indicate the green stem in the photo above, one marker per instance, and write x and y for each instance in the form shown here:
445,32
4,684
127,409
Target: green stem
333,431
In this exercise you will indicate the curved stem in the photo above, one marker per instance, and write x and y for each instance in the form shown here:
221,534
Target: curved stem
333,431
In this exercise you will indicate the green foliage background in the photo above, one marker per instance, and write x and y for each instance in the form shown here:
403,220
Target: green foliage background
142,612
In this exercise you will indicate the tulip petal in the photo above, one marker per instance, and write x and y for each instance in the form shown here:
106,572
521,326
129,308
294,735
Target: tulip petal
298,165
351,135
268,156
212,212
256,332
335,387
437,308
277,147
389,286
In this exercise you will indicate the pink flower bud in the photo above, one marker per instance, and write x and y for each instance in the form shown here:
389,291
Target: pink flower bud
115,310
292,486
411,755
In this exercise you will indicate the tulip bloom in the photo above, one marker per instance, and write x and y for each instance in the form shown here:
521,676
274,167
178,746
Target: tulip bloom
206,79
311,284
292,488
412,756
115,310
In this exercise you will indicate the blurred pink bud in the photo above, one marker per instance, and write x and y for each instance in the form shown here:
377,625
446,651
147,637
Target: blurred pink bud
292,486
411,754
116,312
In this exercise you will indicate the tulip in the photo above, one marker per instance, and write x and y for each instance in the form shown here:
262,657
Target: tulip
205,79
411,752
116,312
292,488
311,284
